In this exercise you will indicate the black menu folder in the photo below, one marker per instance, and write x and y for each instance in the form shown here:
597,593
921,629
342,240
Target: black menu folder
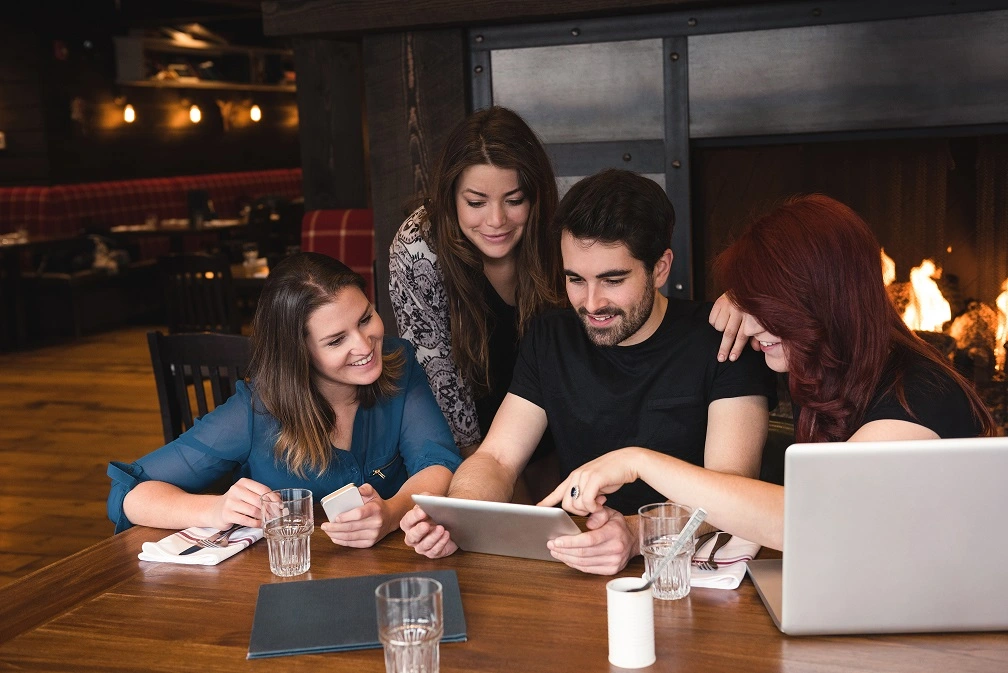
336,615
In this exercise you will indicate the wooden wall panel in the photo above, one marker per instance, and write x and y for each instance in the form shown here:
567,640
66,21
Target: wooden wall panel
300,17
415,94
330,98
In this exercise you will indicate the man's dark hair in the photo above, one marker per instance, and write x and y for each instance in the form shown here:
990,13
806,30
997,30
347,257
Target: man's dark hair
617,206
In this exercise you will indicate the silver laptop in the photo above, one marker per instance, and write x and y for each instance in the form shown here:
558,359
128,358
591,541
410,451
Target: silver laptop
891,537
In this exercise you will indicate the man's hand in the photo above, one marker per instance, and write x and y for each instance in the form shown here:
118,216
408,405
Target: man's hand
605,549
426,537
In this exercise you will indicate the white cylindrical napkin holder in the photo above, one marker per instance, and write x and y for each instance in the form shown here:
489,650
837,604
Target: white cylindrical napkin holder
631,624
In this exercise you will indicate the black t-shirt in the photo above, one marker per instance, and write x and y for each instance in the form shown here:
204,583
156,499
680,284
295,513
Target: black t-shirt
937,402
653,394
503,350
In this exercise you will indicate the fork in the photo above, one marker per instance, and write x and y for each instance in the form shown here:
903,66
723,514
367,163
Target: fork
219,539
721,540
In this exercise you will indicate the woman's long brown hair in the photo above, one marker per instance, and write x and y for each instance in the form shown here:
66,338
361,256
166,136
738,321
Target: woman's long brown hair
498,137
810,272
281,370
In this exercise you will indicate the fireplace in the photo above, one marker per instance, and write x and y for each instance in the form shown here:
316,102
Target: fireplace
938,205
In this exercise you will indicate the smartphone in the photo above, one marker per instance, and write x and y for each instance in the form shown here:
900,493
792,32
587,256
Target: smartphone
341,500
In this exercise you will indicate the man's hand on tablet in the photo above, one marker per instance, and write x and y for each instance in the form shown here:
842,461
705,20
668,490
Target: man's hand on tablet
426,537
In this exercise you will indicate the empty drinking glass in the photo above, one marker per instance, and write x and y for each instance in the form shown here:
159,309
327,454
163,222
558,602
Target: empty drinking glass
410,624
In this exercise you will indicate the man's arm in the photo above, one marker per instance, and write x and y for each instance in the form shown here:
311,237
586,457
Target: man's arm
489,474
736,433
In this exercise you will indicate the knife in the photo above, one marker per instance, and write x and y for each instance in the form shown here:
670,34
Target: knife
191,550
225,534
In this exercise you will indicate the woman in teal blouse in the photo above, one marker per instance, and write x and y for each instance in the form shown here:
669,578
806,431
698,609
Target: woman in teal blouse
330,401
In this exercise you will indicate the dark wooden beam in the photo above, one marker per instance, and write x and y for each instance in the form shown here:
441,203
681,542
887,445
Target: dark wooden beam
329,95
301,17
415,94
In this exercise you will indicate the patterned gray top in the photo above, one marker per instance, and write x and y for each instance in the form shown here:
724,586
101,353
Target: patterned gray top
420,303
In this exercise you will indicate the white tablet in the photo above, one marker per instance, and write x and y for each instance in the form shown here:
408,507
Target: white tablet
501,528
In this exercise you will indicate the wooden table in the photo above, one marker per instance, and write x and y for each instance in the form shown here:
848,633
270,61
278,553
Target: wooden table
13,256
103,610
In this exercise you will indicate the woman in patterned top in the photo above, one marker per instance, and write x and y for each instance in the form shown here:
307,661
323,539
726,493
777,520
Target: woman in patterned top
475,263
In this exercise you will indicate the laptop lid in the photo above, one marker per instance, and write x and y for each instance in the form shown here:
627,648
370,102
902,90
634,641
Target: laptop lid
894,537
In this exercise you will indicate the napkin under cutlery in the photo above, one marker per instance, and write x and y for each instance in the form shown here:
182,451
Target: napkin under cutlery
168,550
731,560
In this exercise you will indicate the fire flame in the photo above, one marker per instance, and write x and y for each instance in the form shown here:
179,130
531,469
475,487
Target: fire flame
888,269
1002,329
928,310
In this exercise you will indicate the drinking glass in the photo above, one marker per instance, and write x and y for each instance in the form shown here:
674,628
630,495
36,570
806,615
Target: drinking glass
660,524
410,624
288,522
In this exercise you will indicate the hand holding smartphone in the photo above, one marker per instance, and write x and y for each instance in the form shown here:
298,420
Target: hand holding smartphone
342,500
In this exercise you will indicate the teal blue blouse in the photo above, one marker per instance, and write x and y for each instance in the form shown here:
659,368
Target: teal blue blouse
392,441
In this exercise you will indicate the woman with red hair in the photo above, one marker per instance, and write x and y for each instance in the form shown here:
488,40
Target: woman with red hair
808,281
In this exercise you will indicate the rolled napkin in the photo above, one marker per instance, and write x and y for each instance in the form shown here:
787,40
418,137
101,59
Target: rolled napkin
731,560
168,550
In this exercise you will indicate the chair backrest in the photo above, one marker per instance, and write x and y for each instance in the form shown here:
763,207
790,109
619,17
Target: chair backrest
199,293
191,370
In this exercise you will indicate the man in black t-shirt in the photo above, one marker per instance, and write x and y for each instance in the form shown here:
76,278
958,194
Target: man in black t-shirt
625,367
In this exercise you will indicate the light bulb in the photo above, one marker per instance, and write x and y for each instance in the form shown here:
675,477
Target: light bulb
255,113
195,115
129,114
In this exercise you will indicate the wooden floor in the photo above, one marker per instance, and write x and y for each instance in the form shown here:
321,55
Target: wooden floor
65,411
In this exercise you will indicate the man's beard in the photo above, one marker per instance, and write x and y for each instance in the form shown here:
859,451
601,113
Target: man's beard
625,326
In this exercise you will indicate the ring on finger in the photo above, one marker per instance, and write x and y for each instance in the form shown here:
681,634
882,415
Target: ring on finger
575,492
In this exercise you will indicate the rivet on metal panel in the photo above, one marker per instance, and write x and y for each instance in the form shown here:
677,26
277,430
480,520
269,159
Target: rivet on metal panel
674,56
691,23
478,69
575,31
676,164
627,157
479,38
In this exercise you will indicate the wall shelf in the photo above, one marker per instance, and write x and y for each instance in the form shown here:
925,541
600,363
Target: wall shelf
196,64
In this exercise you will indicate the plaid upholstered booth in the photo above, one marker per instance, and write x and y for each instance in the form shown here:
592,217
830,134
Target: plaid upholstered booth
87,300
24,207
347,235
230,191
66,209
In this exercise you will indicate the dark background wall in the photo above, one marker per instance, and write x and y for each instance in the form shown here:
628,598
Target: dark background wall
61,108
22,111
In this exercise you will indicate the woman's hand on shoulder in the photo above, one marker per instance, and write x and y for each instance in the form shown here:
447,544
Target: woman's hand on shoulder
362,526
726,317
240,504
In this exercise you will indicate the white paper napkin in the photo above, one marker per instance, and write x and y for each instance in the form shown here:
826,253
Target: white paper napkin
731,560
167,550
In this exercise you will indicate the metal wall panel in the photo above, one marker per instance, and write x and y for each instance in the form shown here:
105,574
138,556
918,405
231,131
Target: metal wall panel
919,72
586,92
565,182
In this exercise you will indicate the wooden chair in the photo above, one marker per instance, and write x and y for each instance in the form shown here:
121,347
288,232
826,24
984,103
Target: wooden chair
199,293
186,366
